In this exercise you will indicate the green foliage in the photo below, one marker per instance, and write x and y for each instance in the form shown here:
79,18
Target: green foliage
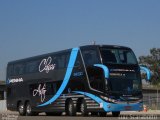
152,61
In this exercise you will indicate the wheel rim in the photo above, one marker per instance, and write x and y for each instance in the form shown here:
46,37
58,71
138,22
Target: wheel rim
21,108
82,108
70,108
28,109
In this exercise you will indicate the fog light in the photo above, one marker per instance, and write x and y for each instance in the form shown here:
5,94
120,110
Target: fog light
101,105
113,100
105,98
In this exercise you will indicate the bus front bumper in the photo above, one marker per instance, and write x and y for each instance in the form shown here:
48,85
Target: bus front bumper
111,107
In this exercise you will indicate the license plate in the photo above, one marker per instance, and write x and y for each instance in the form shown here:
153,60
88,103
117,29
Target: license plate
127,107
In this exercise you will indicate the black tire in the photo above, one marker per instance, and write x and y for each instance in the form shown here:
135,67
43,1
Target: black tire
21,109
83,108
102,114
29,111
115,114
53,113
71,110
94,113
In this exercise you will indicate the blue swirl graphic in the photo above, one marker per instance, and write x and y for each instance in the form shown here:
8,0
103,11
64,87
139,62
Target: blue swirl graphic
71,63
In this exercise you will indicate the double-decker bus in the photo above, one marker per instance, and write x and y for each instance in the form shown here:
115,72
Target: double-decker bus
94,79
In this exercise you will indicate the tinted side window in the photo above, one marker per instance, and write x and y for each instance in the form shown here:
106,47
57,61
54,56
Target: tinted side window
51,88
62,60
32,67
19,69
90,57
10,70
67,59
78,62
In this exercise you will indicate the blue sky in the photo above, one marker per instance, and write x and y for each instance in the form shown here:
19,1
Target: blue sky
33,27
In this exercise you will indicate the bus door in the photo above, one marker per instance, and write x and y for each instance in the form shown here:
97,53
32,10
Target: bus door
95,75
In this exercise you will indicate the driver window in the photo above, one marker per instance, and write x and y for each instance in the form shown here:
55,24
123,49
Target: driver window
90,57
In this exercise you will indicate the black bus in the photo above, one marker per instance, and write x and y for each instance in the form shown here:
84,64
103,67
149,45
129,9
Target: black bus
92,79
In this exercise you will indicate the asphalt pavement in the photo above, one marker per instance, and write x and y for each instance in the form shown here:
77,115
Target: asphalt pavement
150,115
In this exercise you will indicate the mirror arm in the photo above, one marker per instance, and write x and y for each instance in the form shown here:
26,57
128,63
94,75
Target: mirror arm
105,69
148,72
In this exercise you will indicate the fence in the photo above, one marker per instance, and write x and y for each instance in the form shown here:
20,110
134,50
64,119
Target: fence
152,100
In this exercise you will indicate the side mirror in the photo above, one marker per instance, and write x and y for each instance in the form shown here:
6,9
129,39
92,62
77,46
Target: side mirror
148,72
105,69
106,74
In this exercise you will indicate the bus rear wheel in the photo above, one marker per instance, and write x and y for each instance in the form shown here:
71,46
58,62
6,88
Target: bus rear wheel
21,109
83,108
29,111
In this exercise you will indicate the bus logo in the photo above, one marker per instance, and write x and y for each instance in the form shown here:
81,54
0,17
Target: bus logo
46,65
40,91
16,80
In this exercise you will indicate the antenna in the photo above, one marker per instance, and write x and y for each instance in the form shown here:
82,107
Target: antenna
93,42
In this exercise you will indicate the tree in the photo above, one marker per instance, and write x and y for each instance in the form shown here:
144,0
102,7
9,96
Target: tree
152,61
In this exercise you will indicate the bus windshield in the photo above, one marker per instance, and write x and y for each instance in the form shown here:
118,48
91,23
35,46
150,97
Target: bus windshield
125,85
117,56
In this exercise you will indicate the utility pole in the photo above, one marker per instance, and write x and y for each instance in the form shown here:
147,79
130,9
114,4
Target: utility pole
157,97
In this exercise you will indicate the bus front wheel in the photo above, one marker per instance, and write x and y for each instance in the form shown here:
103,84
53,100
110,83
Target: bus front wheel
83,108
115,114
102,114
71,110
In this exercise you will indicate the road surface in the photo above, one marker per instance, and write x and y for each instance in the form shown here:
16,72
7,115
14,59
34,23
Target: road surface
124,116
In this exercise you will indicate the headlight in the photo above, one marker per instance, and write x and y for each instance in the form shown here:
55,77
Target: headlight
105,98
108,99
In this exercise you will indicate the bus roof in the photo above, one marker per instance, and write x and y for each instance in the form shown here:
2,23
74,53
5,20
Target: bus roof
86,46
38,56
108,46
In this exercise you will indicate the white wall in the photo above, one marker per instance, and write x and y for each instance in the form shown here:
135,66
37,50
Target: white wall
3,105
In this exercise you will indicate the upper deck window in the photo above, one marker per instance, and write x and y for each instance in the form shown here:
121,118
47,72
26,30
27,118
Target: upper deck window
118,56
90,57
32,66
19,69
